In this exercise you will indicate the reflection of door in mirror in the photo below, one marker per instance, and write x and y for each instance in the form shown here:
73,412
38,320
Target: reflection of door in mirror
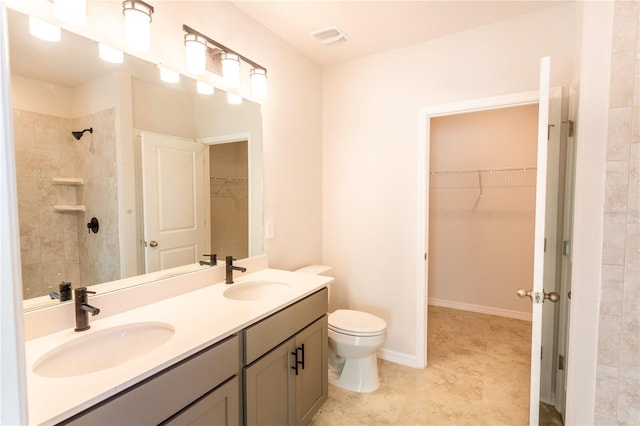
173,201
229,191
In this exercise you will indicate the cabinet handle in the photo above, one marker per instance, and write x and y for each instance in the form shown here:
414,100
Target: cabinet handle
295,361
302,349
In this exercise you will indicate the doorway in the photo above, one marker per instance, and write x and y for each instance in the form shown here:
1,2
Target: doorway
480,183
229,199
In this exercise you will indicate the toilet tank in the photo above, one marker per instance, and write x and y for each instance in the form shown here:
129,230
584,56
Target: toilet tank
317,270
324,270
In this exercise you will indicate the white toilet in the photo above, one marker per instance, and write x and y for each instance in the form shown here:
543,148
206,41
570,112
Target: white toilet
354,338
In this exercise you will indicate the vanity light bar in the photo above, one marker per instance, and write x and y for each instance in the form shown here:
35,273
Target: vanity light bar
231,64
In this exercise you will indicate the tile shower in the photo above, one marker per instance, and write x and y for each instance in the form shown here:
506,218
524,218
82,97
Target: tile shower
618,369
56,246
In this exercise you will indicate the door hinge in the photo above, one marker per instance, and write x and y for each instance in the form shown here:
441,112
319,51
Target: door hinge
549,126
541,351
560,362
566,248
570,127
545,245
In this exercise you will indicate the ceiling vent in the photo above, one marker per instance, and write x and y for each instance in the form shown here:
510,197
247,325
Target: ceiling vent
330,35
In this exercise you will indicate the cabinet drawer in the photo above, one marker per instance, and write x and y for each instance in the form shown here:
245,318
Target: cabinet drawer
219,407
268,333
166,393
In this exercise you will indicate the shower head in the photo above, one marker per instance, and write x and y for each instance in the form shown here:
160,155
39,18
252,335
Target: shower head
78,135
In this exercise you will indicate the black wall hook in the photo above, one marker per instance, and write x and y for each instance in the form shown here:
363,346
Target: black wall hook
94,225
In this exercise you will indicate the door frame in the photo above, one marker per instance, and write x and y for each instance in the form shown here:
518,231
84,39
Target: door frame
425,115
424,119
218,140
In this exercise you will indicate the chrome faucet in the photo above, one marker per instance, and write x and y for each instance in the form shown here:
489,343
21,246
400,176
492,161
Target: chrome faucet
229,268
64,293
83,308
213,260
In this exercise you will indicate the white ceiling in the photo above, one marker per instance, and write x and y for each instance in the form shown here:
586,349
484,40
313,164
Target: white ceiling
377,26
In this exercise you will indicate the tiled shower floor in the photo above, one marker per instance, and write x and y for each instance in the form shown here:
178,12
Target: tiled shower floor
478,374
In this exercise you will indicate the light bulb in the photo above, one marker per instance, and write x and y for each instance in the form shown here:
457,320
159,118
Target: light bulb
43,30
233,99
230,70
258,83
109,54
137,24
204,88
195,50
167,75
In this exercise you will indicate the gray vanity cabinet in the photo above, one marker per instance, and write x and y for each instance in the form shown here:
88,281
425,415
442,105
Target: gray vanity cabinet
203,389
286,383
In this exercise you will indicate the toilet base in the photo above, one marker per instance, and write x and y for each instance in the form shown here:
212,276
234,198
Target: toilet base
358,375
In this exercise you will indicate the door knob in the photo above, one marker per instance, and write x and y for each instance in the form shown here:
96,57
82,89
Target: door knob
153,244
552,296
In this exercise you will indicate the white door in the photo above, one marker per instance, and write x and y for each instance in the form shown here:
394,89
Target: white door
537,291
173,201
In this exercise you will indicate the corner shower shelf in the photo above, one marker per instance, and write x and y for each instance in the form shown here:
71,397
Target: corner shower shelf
68,181
69,209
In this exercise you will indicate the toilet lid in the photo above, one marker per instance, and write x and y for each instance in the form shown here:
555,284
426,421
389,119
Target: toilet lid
356,322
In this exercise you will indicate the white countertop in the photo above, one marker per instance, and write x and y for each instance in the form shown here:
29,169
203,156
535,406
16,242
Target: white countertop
201,318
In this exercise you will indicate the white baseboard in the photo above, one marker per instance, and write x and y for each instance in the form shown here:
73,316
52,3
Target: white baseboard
525,316
398,358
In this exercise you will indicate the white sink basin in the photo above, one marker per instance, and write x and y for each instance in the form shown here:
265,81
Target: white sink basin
256,290
103,349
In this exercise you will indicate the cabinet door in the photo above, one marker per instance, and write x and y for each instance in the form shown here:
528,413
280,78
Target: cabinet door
269,387
311,381
220,407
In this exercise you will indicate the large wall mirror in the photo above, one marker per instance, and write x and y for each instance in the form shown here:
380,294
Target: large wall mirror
170,174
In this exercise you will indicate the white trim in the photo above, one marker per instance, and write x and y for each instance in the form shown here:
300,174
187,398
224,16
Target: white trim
399,358
233,137
489,310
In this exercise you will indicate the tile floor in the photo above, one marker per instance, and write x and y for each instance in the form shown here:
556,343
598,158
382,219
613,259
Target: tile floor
478,374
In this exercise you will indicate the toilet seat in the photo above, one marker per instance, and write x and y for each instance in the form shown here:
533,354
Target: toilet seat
356,323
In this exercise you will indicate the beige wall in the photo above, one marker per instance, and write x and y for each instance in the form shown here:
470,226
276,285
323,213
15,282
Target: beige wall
481,241
370,147
618,371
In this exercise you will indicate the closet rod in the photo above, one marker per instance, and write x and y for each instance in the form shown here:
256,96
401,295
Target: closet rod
494,170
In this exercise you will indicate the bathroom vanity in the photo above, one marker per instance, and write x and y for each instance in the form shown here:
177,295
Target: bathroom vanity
254,352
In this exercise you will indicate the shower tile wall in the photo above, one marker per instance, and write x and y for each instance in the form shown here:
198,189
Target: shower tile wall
54,245
618,371
95,160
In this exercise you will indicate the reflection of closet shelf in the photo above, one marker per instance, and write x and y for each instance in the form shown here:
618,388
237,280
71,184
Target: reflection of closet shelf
227,179
69,209
68,181
496,170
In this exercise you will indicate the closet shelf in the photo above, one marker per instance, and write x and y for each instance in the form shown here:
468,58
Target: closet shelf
503,177
491,170
228,179
68,181
69,208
